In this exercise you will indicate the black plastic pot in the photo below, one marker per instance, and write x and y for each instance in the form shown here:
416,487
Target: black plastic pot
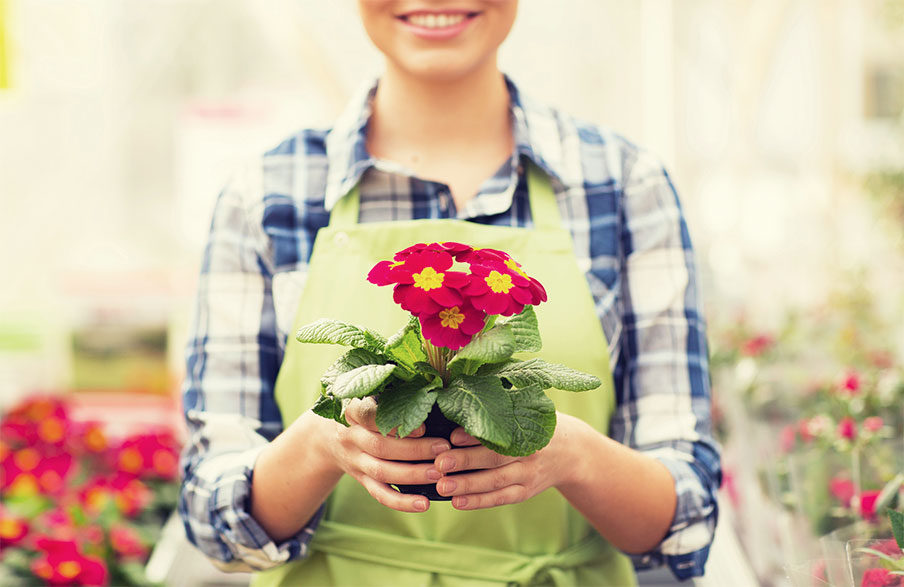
437,426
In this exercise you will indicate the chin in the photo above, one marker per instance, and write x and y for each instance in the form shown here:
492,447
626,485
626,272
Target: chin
439,68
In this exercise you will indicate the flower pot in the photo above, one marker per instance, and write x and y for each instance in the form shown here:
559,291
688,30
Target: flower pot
437,426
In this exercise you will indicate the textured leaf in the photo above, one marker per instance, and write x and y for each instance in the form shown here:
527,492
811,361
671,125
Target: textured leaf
360,382
428,370
405,347
493,346
331,408
897,527
481,406
327,331
405,406
526,330
351,360
546,375
534,422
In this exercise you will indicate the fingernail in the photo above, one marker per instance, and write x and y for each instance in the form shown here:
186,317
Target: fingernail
460,502
440,447
449,486
434,475
420,505
447,464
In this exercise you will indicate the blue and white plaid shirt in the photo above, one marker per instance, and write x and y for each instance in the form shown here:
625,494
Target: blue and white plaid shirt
630,239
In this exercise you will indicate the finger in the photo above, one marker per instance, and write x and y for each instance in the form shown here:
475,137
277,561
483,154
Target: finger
462,438
483,481
478,501
393,499
397,449
387,472
362,412
465,459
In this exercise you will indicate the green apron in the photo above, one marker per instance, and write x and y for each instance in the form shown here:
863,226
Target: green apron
541,541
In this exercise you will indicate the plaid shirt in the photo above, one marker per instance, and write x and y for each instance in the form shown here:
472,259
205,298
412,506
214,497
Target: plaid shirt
630,240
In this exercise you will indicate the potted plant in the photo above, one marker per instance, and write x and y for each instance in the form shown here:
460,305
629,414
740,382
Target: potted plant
453,363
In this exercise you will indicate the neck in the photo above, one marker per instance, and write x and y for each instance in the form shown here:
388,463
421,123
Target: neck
410,111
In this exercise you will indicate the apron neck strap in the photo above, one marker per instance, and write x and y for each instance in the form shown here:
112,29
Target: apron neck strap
543,207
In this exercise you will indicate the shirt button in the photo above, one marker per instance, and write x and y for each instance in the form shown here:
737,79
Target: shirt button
341,239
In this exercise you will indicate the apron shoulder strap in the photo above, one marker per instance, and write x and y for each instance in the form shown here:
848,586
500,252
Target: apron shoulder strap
543,207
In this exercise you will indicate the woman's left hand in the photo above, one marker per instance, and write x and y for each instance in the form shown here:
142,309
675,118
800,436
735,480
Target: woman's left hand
498,479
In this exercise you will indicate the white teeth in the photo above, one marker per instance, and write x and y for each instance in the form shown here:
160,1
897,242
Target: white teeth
435,21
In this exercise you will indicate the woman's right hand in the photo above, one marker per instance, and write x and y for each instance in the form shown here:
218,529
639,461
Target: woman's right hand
375,460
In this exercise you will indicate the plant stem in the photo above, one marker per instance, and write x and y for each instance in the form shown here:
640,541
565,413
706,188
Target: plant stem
439,358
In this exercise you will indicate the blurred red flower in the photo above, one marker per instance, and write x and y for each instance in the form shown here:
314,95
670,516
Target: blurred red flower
149,456
851,383
756,346
873,424
847,428
13,529
62,563
842,489
868,504
126,542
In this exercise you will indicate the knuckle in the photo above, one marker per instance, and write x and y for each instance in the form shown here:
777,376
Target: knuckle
377,472
376,444
499,479
519,493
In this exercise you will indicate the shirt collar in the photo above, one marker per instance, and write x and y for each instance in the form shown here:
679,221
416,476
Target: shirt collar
536,133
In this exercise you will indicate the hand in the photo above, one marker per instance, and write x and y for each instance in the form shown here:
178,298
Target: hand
372,459
502,480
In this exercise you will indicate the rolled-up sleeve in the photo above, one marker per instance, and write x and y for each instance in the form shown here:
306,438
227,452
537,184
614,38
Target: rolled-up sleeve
662,371
233,355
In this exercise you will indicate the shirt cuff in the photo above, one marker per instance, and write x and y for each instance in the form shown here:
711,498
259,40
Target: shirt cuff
243,544
685,547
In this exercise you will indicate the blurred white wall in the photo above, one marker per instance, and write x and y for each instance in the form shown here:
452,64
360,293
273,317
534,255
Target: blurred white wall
126,116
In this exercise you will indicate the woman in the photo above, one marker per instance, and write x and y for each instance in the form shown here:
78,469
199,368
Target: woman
445,135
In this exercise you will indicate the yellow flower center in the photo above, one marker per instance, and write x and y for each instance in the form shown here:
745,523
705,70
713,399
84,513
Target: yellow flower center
428,279
27,459
51,430
97,499
25,484
451,317
516,268
43,569
130,460
51,480
95,440
69,569
9,528
164,461
499,282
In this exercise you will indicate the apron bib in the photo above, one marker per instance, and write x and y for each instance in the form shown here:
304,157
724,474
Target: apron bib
541,541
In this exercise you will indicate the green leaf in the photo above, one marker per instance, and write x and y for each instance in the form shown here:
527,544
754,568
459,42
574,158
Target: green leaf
546,375
534,422
405,406
405,347
897,527
428,370
481,406
351,360
360,382
526,330
331,408
493,346
327,331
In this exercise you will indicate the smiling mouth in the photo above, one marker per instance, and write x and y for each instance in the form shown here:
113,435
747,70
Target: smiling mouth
437,20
